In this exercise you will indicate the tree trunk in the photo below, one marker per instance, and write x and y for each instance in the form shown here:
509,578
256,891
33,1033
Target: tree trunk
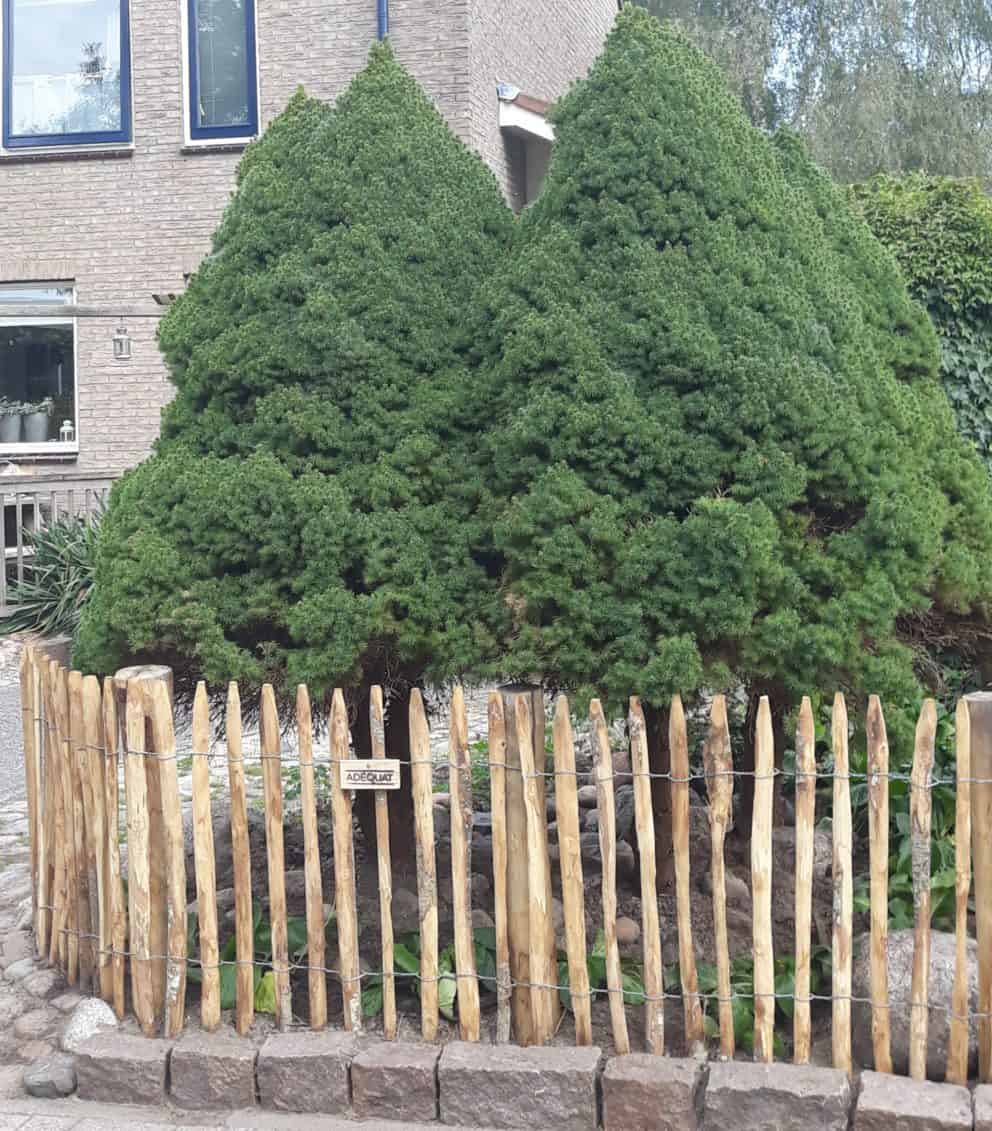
402,840
660,762
779,705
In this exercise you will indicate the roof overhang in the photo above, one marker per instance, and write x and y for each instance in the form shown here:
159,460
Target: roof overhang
524,115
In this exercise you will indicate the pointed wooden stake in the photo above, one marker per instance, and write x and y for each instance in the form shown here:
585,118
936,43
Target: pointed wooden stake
878,836
654,988
139,901
241,850
718,762
761,885
603,763
272,785
115,884
573,900
344,869
920,809
980,716
93,730
316,979
843,888
203,860
158,707
460,785
805,822
678,745
957,1049
377,717
497,785
421,768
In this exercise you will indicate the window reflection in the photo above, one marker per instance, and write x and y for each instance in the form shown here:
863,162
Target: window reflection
37,366
222,62
66,68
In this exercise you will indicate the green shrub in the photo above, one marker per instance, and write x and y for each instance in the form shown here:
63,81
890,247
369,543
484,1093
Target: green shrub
712,438
294,523
58,578
940,231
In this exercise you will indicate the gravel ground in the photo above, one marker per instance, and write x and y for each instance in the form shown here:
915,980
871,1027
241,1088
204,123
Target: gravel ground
11,764
11,750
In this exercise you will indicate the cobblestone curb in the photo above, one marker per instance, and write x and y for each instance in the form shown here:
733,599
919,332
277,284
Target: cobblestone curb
123,1069
395,1080
776,1097
982,1100
503,1086
890,1102
652,1093
507,1086
307,1072
211,1071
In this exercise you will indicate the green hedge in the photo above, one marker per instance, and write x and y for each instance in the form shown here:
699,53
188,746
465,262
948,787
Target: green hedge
712,430
287,527
940,231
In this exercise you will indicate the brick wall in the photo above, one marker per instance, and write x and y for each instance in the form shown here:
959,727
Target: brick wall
542,48
128,226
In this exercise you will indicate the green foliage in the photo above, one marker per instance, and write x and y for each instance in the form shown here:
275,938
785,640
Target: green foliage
742,990
406,958
292,787
631,975
943,821
940,231
262,973
301,519
707,421
942,865
58,578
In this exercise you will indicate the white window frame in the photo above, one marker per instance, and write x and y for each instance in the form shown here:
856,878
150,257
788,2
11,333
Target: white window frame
50,447
190,142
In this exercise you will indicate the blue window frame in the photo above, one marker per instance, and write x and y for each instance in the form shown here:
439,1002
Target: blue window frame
223,88
66,73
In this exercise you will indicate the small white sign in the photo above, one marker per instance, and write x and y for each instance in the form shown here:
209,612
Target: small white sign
370,773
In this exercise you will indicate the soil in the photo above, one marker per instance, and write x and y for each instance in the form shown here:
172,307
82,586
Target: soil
405,914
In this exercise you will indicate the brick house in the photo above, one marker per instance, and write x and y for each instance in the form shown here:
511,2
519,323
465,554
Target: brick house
122,125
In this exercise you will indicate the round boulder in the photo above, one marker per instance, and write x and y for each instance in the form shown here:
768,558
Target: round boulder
51,1077
90,1017
940,989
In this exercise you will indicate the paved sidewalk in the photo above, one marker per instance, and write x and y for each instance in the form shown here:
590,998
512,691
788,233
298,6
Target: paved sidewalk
51,1115
61,1115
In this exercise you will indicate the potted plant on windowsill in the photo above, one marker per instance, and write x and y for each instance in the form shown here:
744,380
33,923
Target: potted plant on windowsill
10,421
36,417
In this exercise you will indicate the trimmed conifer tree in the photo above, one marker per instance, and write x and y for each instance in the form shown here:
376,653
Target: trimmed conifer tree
714,436
286,528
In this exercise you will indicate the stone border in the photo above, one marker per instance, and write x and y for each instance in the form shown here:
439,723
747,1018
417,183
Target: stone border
504,1086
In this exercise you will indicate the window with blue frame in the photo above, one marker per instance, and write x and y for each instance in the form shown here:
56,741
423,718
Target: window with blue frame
223,89
66,72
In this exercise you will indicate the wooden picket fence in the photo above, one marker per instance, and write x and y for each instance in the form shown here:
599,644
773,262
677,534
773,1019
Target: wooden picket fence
79,734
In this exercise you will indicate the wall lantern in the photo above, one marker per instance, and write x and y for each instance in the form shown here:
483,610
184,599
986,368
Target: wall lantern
122,344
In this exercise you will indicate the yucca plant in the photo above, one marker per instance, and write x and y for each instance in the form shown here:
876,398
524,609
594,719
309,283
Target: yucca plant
58,577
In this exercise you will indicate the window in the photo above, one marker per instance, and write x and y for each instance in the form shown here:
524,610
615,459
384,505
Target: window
37,370
223,96
66,67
